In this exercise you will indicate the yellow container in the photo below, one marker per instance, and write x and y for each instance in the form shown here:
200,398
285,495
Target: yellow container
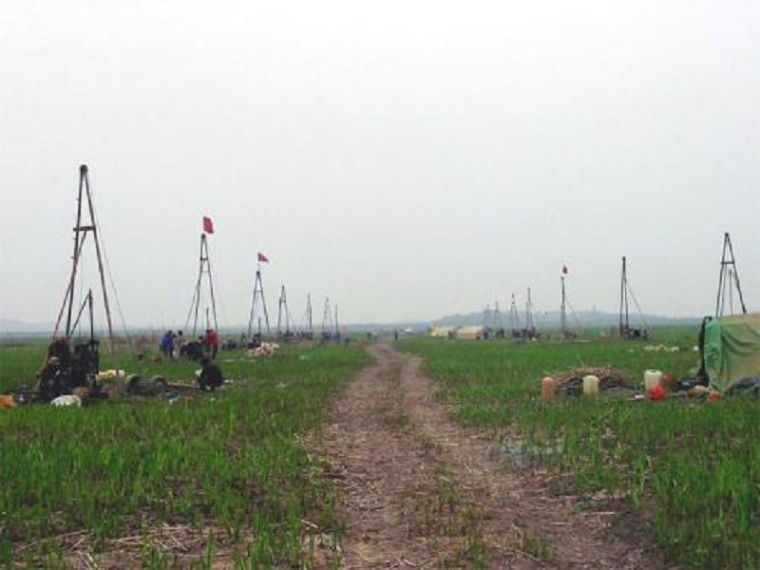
590,385
548,388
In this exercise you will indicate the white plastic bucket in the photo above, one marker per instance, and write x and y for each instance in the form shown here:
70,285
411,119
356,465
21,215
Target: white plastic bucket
652,379
590,385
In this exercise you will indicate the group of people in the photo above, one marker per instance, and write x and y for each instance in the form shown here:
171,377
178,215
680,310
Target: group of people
65,370
173,345
204,349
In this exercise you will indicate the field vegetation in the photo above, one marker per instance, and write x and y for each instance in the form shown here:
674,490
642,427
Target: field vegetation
228,465
688,471
231,466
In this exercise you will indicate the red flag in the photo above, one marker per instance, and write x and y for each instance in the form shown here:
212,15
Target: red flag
564,270
208,225
263,258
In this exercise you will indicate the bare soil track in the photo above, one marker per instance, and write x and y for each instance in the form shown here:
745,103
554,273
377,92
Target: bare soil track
421,491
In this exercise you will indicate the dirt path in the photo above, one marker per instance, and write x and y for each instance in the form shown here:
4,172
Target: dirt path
423,492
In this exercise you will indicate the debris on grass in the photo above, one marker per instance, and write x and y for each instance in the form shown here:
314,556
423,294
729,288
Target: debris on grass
570,382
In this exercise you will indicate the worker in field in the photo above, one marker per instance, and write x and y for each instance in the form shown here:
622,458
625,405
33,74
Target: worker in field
211,340
61,350
166,346
179,345
210,377
193,350
51,383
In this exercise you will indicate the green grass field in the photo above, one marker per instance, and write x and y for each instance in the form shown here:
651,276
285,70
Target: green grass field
690,470
230,463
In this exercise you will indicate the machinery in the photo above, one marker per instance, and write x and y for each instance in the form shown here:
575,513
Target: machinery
64,369
75,364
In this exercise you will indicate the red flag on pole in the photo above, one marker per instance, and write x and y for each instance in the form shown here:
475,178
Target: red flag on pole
564,270
263,258
208,225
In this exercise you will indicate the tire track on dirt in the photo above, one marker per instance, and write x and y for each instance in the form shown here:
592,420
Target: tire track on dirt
419,490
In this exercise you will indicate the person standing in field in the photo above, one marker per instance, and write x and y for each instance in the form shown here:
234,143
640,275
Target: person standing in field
167,343
212,342
179,345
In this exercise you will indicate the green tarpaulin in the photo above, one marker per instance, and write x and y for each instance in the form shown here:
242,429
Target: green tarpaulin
731,349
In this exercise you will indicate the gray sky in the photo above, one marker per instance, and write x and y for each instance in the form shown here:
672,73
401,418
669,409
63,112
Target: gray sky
406,159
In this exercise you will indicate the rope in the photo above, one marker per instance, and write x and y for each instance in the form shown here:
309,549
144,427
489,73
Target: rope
109,273
638,307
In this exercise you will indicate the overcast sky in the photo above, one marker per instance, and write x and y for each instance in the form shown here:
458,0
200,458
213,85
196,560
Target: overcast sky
406,159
